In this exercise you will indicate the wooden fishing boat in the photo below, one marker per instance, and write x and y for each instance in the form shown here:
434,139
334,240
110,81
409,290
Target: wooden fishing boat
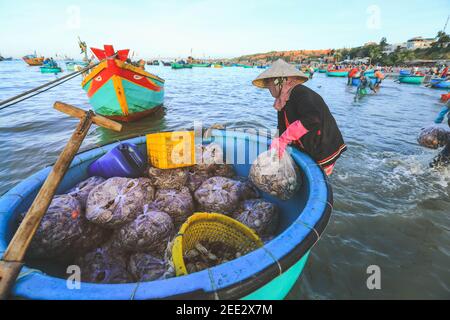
337,73
181,66
33,60
322,70
266,273
440,83
217,66
121,91
412,79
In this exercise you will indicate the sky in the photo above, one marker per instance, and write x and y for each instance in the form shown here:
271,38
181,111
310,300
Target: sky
210,28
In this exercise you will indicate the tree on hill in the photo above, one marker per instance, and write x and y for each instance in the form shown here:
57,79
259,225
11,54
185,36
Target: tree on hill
442,40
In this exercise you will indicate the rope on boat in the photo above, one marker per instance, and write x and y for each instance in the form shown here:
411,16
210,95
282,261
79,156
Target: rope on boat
49,85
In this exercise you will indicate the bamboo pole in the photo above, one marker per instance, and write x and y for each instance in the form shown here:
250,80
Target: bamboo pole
12,261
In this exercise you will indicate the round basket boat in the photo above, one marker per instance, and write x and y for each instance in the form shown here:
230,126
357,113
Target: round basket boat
266,273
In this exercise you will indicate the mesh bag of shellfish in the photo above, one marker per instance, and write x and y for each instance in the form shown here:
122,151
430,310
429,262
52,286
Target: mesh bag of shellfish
104,265
168,178
433,137
178,204
146,267
259,215
247,190
196,177
149,232
81,190
206,156
118,201
63,231
280,177
219,195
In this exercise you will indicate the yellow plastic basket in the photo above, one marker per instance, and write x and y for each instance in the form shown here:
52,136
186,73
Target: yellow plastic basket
212,227
169,150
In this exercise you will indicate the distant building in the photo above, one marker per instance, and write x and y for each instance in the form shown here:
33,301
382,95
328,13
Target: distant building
419,43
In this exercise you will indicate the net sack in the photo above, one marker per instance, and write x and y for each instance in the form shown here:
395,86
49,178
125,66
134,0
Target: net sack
259,215
118,201
168,178
218,194
81,190
178,204
433,137
64,232
104,265
150,232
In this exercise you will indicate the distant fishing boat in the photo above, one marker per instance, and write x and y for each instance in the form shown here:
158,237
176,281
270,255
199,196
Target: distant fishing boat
337,73
33,60
201,65
177,65
121,91
50,66
412,79
218,66
167,64
322,70
440,83
76,66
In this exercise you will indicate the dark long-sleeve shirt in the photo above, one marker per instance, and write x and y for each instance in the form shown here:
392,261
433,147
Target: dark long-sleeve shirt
323,142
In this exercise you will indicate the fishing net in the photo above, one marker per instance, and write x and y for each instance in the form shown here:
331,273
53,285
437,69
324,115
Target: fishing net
150,232
259,215
81,190
219,195
168,178
63,231
178,204
118,201
279,177
146,267
104,265
433,137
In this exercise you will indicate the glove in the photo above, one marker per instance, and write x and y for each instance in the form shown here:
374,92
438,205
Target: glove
293,133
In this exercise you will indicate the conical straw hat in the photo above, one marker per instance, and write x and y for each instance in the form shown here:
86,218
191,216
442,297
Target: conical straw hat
279,69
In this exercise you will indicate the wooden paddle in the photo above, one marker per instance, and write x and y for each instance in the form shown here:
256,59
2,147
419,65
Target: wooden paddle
12,261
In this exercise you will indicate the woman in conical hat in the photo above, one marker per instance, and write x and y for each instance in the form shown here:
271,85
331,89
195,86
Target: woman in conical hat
304,119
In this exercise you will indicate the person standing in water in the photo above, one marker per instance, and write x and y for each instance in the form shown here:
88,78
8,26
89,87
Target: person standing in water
304,119
364,82
379,76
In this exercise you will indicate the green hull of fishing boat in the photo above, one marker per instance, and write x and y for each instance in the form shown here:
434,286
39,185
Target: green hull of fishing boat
411,79
322,70
279,287
201,65
181,66
51,70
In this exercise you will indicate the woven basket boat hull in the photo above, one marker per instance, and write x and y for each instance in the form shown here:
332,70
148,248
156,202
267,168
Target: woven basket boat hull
266,273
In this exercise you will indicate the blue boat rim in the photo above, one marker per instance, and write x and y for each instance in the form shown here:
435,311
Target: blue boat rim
201,285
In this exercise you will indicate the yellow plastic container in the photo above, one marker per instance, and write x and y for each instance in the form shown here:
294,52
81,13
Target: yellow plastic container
212,227
169,150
